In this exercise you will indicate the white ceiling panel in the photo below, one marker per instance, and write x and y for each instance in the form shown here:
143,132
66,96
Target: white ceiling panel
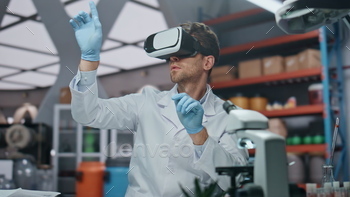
24,59
8,19
153,3
136,22
104,70
29,35
7,71
141,44
54,69
82,5
128,57
108,44
22,7
32,78
12,86
23,43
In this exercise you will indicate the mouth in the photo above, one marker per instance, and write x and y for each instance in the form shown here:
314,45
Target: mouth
175,68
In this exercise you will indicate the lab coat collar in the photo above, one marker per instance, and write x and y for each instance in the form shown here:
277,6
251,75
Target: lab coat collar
168,106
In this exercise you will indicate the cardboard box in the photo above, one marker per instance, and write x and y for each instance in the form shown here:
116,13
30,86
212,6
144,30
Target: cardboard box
309,58
273,65
223,70
221,78
250,68
223,73
65,95
291,63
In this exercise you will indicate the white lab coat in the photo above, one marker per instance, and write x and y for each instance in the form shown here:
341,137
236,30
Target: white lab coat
163,156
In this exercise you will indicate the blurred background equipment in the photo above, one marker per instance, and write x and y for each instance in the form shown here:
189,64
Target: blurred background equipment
21,112
19,136
20,141
296,17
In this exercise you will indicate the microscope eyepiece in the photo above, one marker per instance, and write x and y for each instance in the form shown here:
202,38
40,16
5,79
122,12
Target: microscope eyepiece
228,106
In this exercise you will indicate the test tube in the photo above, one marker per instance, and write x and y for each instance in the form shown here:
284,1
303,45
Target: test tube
337,192
311,189
320,192
328,190
346,185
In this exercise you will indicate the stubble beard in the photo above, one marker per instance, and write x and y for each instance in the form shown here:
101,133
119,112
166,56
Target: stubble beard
183,77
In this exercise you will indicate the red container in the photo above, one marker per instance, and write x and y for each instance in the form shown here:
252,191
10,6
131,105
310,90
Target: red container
89,179
316,94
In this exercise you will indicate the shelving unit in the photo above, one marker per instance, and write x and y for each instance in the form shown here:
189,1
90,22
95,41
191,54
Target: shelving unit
277,45
310,148
268,78
69,146
237,20
299,110
273,42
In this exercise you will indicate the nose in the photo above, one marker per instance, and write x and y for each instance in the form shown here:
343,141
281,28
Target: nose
174,59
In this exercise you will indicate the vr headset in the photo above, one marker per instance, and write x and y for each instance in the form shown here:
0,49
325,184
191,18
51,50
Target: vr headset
173,42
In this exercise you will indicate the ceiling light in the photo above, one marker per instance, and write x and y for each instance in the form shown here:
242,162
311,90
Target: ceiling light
269,5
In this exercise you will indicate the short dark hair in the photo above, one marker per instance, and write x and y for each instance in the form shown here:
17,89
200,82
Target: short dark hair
206,37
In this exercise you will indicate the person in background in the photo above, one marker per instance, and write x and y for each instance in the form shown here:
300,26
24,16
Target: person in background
180,133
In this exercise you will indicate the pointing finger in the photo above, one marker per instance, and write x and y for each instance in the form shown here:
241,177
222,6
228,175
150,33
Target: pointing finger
93,9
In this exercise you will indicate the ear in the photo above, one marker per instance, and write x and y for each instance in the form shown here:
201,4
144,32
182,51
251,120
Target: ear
208,62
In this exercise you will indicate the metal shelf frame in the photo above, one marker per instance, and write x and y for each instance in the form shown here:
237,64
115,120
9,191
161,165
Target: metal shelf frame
338,93
78,154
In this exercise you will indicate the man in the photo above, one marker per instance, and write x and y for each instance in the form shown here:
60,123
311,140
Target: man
180,134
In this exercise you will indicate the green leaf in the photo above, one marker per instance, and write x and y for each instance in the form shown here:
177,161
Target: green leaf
198,190
208,192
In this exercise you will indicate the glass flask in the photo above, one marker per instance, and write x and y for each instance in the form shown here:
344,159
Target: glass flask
24,174
327,175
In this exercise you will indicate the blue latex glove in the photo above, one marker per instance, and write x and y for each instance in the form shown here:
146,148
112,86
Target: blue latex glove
190,112
88,32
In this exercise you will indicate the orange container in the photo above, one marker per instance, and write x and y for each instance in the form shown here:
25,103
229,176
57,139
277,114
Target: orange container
89,179
240,101
258,103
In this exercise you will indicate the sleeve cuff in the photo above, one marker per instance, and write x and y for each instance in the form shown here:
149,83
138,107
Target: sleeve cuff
87,78
198,150
83,80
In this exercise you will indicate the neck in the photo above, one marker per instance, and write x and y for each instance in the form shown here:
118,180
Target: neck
195,90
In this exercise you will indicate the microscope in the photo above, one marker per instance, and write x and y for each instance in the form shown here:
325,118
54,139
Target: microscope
270,170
